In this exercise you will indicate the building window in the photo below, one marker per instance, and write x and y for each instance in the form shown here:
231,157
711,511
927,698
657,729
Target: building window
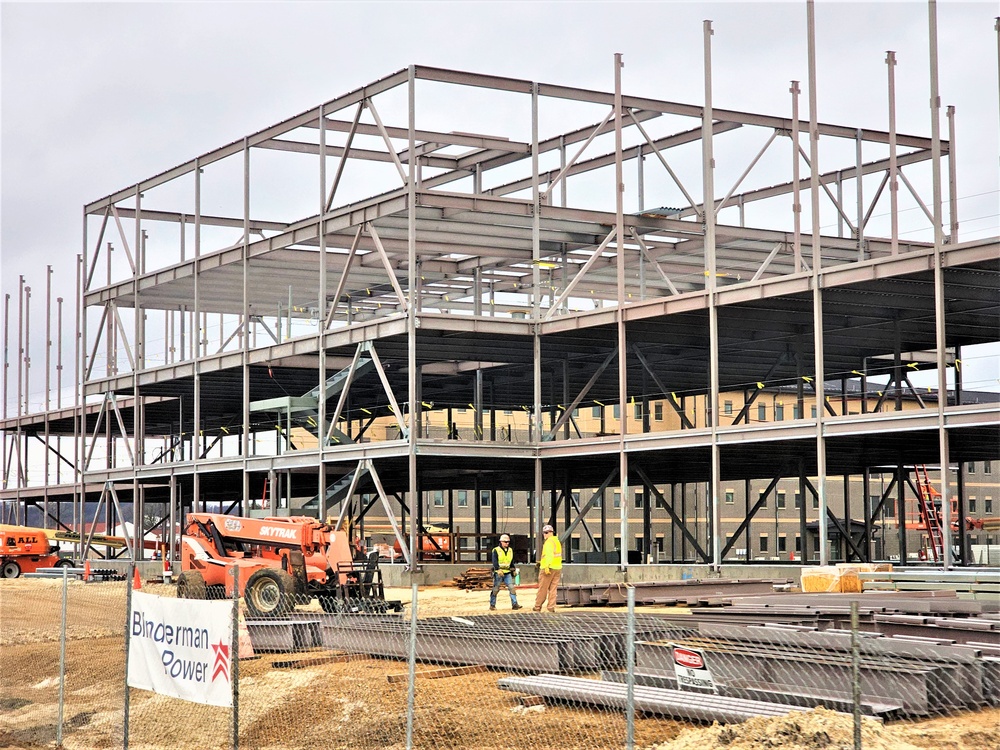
508,411
796,413
890,507
595,412
617,412
764,503
461,410
798,543
637,409
639,543
638,499
463,498
574,543
972,505
971,467
484,498
508,498
761,413
763,542
781,498
988,505
438,499
815,502
779,413
782,543
658,411
618,499
798,499
598,500
727,407
812,411
576,414
987,468
730,497
530,499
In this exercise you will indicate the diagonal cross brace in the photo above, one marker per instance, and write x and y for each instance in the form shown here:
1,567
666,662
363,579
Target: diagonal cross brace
670,510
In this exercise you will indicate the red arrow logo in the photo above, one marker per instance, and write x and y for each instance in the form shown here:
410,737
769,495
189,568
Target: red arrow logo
221,661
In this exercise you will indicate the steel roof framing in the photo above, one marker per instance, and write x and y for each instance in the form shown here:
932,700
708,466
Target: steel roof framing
476,289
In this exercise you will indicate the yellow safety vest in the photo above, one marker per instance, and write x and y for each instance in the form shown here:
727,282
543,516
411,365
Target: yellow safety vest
552,554
504,559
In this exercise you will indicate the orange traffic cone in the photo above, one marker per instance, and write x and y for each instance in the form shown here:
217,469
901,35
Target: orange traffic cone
86,570
136,580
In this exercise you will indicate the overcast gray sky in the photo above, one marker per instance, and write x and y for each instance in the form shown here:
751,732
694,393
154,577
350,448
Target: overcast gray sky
96,97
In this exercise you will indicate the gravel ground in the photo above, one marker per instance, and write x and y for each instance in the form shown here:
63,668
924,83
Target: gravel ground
351,704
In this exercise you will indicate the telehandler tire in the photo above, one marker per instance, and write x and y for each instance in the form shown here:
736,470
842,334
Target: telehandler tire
269,592
64,563
10,569
191,585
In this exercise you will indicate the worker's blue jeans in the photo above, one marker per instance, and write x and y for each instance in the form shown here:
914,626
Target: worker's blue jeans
502,579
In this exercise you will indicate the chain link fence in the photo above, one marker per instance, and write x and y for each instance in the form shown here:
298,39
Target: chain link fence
446,672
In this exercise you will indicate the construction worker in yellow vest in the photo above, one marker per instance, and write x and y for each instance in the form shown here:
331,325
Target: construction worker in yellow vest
549,570
504,571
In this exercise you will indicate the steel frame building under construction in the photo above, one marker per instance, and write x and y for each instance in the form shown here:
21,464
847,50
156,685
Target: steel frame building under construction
307,314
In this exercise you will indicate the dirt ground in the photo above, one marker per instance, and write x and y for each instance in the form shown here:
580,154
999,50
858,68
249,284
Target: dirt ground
352,704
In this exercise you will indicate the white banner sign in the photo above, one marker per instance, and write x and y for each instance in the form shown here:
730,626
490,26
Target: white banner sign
181,648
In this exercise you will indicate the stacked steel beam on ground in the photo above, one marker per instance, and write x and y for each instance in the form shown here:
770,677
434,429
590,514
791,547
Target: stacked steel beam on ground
678,704
924,677
976,584
925,614
689,592
532,641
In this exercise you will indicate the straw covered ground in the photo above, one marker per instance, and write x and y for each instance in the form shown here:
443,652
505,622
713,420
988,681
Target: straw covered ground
352,704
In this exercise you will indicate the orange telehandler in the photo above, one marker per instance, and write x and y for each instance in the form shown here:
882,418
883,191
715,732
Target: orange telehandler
281,561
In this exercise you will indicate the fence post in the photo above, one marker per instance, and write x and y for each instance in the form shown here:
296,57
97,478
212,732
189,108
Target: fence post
234,658
128,639
62,659
630,673
856,675
411,678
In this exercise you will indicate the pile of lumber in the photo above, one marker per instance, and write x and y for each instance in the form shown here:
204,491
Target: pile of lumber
474,579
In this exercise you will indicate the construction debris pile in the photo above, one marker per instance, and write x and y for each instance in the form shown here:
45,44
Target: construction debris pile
474,579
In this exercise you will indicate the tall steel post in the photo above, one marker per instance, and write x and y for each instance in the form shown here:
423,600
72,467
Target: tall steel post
711,286
620,317
796,198
321,304
940,338
244,339
411,316
536,336
952,179
890,61
818,376
46,464
199,336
